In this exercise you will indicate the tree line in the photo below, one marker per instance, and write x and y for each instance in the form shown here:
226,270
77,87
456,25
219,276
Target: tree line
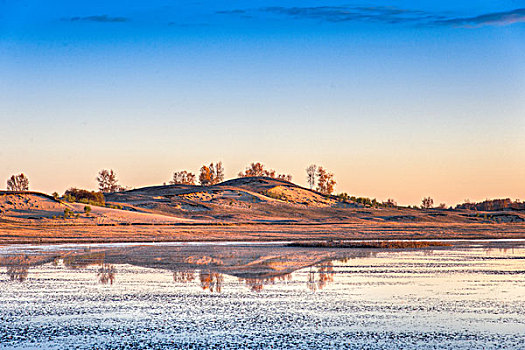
209,175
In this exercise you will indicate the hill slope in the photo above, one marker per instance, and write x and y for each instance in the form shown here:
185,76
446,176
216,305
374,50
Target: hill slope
251,199
35,207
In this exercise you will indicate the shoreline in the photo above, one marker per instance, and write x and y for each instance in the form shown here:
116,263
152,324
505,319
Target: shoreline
17,233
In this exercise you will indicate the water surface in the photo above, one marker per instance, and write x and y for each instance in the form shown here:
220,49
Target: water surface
471,295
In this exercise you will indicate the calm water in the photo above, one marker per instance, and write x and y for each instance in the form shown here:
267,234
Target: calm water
471,295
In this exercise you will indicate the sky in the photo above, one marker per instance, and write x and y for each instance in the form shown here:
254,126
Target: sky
399,99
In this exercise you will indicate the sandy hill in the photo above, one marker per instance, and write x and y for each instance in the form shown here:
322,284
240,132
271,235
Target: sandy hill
250,200
35,207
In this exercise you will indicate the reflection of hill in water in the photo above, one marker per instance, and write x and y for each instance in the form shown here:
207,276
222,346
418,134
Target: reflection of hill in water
255,266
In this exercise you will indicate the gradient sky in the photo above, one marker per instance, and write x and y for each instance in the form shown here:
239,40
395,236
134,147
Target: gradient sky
400,99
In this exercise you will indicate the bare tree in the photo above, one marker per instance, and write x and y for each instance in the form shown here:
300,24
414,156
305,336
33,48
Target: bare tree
18,183
325,182
257,169
427,203
311,175
183,178
107,181
219,172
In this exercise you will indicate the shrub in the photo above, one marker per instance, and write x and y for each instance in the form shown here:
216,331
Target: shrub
68,213
279,196
69,198
84,196
364,200
390,203
343,196
87,210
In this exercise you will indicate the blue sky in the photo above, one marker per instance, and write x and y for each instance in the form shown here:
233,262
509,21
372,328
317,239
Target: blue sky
399,99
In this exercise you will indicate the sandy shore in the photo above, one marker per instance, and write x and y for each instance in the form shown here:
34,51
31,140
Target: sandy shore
16,233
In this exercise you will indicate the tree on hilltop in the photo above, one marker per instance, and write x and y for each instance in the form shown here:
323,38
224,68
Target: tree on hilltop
325,182
183,178
205,176
219,172
212,174
258,169
18,183
311,175
255,169
108,182
427,203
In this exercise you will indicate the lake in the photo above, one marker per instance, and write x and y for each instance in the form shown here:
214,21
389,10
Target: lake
242,295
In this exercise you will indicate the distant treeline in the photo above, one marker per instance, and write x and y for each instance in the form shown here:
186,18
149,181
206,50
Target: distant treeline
493,205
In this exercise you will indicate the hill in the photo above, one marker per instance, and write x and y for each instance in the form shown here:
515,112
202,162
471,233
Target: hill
40,208
251,208
251,199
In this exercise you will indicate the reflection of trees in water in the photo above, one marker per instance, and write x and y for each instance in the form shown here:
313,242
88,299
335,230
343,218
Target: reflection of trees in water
83,260
320,278
428,252
310,283
257,284
18,268
501,250
184,276
211,280
106,274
